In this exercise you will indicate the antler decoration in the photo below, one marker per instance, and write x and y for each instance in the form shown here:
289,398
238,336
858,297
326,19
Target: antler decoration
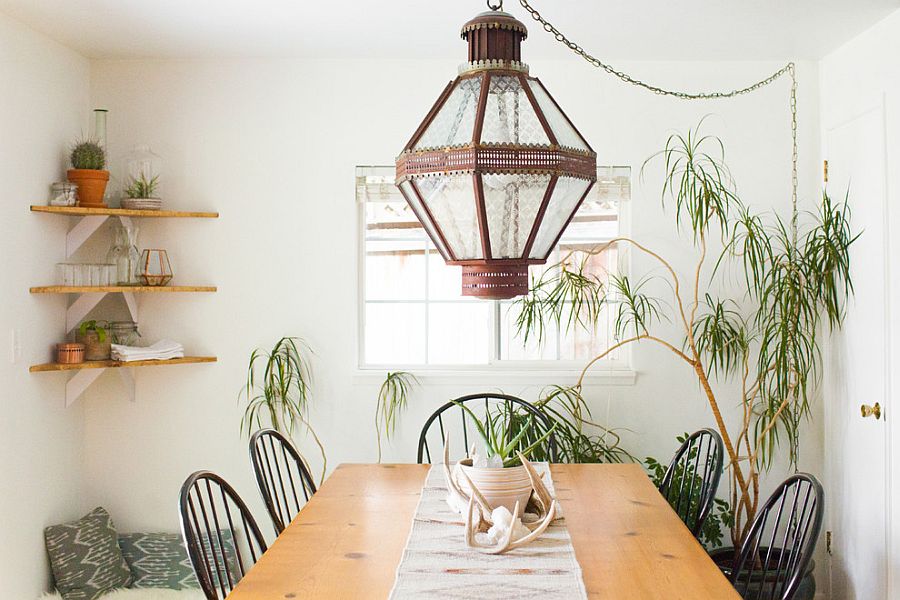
458,498
506,542
544,506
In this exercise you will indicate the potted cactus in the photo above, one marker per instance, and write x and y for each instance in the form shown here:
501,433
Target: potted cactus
88,161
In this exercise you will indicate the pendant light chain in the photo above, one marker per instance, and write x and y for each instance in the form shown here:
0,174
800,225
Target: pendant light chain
788,69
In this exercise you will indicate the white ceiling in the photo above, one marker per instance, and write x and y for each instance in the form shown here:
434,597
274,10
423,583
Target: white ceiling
624,29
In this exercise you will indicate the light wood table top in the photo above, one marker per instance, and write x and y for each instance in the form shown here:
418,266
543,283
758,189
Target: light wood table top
347,541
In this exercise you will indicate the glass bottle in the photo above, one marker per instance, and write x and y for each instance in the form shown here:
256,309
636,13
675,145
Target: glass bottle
100,128
124,255
100,115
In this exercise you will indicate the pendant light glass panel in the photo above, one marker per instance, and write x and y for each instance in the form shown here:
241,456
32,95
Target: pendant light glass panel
509,117
563,203
511,202
495,170
562,129
451,201
455,122
412,199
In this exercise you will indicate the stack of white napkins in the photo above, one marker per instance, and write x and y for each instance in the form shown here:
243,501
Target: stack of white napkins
161,350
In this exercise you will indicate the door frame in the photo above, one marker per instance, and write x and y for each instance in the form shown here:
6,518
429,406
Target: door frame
892,337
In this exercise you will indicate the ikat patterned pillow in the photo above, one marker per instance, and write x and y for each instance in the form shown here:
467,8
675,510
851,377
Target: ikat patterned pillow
158,560
85,557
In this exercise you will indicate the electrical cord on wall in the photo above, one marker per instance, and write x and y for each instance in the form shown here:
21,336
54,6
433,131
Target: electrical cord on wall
789,69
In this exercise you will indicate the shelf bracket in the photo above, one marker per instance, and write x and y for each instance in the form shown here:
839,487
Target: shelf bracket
132,304
83,229
84,304
79,382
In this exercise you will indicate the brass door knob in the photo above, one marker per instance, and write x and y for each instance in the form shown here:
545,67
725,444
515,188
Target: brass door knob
871,411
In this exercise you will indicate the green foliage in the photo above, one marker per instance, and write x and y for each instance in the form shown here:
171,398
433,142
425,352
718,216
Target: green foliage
88,154
795,276
637,310
503,432
393,397
722,335
278,389
577,437
100,327
698,181
142,187
720,516
563,293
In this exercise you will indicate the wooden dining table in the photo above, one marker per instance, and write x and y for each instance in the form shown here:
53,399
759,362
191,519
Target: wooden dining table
347,541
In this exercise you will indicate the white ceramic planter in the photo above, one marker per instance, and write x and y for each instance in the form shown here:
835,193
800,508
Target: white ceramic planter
500,487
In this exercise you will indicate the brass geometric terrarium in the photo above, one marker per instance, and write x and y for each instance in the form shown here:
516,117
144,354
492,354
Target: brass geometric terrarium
496,170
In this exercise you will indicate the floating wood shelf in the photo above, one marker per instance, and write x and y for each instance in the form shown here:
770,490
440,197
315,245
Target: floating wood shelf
80,211
112,364
90,220
111,289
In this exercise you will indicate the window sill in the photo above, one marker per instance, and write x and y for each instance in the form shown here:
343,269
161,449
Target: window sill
597,377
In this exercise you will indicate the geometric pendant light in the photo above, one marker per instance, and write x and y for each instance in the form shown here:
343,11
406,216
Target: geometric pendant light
496,170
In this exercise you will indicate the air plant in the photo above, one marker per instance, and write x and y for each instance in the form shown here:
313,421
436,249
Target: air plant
794,280
141,187
88,154
393,397
278,390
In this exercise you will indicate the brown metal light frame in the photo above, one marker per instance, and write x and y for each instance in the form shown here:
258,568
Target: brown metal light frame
494,40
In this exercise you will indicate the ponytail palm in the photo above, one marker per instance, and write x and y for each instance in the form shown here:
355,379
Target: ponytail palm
796,278
278,390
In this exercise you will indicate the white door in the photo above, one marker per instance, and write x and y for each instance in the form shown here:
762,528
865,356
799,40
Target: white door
857,369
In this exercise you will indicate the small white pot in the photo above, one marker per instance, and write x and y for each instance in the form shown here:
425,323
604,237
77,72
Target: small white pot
500,487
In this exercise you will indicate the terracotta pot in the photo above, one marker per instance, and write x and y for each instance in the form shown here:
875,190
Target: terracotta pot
91,186
94,349
500,487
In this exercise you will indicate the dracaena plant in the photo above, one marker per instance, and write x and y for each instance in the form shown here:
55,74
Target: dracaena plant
393,396
278,391
795,279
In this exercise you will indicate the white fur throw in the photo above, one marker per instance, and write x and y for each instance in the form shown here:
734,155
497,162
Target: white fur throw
144,594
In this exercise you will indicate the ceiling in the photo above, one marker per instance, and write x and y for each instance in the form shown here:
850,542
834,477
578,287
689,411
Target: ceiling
623,29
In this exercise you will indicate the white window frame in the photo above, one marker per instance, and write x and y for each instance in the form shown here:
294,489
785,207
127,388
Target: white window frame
612,371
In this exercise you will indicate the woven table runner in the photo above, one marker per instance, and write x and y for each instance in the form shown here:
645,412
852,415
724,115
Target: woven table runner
437,563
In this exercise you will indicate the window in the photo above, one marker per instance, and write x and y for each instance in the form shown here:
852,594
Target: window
412,313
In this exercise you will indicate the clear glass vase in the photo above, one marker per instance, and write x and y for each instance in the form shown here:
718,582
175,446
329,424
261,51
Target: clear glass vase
124,255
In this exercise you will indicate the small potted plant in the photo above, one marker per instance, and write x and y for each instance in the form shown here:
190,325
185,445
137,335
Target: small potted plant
499,475
141,193
95,337
88,161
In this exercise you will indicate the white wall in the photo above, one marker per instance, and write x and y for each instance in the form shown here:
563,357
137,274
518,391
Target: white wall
859,77
272,145
43,108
